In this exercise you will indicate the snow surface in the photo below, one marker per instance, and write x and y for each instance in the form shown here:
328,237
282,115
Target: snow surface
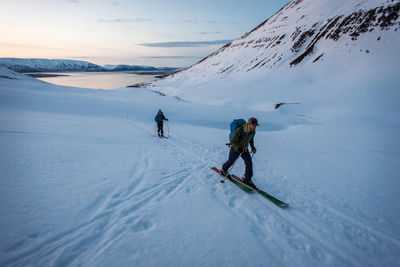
84,180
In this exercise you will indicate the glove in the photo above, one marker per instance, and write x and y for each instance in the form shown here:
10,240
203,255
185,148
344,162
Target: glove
254,150
166,119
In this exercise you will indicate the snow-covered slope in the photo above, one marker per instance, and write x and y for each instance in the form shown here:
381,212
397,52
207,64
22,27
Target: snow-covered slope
84,181
309,49
6,73
306,31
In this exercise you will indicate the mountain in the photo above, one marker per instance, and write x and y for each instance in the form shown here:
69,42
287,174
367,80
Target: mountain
129,68
47,65
138,68
63,65
305,31
305,43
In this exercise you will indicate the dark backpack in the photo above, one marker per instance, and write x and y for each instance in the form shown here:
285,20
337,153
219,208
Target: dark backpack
234,125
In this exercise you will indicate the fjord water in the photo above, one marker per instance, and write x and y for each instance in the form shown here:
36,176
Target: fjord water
98,80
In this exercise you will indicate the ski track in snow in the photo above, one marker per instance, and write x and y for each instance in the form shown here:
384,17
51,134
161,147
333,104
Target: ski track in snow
314,229
123,209
122,206
292,222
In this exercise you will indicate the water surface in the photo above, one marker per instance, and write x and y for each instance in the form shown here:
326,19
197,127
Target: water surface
98,80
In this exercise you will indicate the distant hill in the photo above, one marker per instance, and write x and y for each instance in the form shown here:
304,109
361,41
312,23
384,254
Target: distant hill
138,68
24,65
47,65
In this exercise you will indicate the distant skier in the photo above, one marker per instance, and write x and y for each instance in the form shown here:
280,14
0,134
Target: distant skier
242,136
160,121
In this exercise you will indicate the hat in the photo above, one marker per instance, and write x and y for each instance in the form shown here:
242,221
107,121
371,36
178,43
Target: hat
159,110
253,121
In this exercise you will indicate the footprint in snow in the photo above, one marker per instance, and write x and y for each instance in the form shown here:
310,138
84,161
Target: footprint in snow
141,226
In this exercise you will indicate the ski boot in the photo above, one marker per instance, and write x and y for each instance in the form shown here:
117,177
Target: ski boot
224,173
249,183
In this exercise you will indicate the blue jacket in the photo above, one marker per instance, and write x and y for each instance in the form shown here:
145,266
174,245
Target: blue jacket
160,117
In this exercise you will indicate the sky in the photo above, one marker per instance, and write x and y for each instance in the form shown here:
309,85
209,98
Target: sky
161,33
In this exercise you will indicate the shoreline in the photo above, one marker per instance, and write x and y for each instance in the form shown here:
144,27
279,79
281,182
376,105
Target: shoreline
44,75
157,74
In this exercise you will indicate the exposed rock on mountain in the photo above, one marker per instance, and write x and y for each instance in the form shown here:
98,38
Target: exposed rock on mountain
303,29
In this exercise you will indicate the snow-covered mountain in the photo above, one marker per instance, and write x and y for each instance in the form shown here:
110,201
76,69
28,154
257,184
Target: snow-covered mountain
138,68
64,65
128,67
318,38
50,65
306,31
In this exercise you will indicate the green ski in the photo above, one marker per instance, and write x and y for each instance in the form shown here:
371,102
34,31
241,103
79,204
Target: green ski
239,182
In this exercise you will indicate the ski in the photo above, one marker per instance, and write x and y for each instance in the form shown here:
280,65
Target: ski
239,182
276,201
233,180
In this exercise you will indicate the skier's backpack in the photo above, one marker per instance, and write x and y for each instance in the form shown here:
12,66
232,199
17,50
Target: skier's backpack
234,125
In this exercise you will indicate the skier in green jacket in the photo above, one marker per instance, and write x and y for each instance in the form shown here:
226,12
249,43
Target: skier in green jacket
242,137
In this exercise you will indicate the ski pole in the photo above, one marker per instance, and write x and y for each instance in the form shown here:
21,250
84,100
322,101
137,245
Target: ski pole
232,165
168,128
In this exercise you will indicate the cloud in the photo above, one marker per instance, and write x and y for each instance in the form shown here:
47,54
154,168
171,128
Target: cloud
220,22
123,20
205,33
190,21
187,44
170,57
74,1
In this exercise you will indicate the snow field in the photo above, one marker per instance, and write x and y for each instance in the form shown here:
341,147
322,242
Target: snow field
85,181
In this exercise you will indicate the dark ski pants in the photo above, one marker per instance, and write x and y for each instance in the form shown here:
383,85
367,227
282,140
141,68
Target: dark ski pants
233,155
160,129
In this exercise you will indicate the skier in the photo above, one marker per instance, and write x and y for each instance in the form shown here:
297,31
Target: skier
242,137
160,121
